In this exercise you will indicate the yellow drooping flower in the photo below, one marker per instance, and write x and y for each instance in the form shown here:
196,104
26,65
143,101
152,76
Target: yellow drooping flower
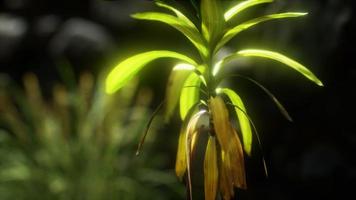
224,158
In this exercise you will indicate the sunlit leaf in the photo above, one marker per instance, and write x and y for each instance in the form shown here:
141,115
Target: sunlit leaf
211,170
243,120
191,32
212,19
179,14
283,59
174,87
128,68
239,28
241,6
189,95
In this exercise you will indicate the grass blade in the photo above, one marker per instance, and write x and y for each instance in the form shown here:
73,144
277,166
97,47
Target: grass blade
149,123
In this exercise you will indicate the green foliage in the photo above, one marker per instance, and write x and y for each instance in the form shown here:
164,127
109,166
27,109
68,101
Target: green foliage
78,144
196,84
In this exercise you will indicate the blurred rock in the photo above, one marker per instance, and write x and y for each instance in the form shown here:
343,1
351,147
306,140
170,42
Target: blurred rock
46,25
12,31
117,13
15,4
80,39
321,162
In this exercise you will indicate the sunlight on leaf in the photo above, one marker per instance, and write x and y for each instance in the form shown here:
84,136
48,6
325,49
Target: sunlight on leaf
243,120
239,28
242,6
128,68
212,19
174,87
191,32
179,14
283,59
189,95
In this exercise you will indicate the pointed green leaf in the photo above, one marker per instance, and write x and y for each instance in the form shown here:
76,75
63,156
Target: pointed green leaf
191,32
174,87
189,95
243,120
212,19
243,6
128,68
239,28
283,59
179,14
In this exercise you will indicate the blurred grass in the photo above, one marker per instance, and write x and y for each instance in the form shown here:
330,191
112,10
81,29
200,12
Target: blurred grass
79,143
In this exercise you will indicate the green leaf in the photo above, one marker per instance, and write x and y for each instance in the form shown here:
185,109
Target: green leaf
212,19
243,120
243,6
283,59
174,87
128,68
189,95
191,32
179,14
239,28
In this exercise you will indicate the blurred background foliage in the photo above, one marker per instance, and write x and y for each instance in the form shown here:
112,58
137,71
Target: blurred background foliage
51,147
78,144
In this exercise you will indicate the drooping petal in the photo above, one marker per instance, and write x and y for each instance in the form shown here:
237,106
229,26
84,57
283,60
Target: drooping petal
243,120
210,170
225,178
237,161
181,160
221,121
191,131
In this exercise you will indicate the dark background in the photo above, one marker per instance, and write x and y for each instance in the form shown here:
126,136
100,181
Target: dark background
313,157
